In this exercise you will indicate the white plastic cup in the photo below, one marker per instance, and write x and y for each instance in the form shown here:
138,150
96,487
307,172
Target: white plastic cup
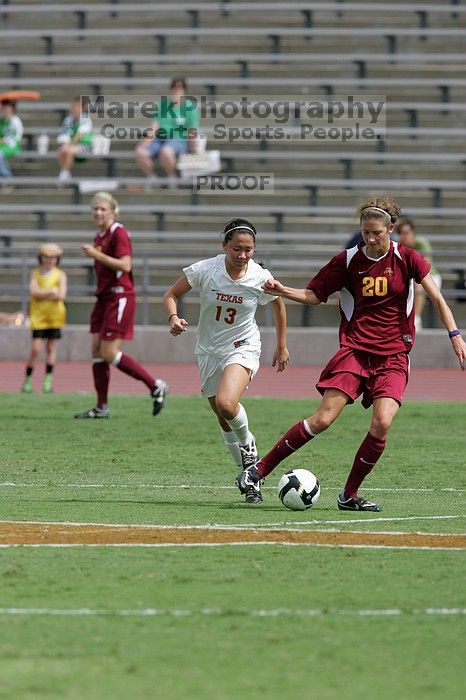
97,144
100,145
42,144
201,143
105,146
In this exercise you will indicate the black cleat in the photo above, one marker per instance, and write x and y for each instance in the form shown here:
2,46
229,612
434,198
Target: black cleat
356,503
94,413
158,396
253,495
247,479
249,455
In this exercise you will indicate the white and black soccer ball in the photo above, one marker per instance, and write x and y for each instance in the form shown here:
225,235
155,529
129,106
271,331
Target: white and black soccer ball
298,489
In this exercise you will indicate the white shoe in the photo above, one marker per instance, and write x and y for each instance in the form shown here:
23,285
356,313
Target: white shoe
64,175
152,182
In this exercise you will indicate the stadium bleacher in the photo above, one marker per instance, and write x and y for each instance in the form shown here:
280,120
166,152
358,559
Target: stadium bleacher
411,53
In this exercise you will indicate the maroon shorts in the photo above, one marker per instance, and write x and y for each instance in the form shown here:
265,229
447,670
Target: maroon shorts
374,376
113,316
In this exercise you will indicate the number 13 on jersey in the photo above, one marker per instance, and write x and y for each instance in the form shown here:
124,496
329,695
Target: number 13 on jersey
229,316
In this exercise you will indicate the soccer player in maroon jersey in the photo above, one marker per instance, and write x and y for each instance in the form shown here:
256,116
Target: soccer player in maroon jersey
112,317
376,284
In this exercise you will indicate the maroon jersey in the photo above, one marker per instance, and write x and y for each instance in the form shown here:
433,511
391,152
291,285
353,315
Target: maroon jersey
376,297
116,242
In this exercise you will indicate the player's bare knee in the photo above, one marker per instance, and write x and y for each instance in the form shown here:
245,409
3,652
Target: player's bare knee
227,407
380,426
320,421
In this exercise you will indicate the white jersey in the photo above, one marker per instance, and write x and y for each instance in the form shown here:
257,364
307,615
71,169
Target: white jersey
228,307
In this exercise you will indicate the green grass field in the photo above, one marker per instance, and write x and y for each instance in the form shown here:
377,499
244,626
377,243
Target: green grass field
227,622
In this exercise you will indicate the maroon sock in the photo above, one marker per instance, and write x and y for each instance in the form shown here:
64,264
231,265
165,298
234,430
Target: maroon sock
366,458
101,372
135,370
296,437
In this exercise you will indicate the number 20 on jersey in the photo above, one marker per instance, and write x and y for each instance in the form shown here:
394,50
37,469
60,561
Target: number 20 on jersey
374,286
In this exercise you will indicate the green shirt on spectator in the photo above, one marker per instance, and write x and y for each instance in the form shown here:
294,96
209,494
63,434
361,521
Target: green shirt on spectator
423,247
11,134
175,121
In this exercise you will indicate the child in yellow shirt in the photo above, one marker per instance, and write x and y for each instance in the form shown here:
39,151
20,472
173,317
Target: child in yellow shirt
47,313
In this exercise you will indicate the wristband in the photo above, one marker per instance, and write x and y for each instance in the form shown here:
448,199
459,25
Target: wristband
454,333
177,315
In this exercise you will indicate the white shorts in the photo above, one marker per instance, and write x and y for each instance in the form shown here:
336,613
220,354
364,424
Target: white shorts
211,367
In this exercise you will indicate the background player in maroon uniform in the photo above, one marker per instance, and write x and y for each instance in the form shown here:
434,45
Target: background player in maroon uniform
112,318
376,284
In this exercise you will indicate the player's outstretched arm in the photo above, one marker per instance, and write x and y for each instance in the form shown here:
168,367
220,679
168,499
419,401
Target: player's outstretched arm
170,300
16,318
302,296
446,316
281,356
459,348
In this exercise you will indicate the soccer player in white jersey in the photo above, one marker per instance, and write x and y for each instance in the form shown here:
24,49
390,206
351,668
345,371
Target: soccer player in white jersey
228,339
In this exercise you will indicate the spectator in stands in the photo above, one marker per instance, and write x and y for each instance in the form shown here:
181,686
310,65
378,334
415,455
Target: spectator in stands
11,134
407,236
112,317
228,343
376,335
173,133
47,313
75,138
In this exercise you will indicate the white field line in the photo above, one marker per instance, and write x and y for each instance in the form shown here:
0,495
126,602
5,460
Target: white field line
243,612
208,487
220,527
281,525
238,544
365,521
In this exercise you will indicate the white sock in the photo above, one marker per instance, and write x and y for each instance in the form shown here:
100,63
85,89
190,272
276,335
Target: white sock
240,426
117,358
231,443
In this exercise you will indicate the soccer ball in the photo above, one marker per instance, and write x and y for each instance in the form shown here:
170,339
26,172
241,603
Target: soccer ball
298,489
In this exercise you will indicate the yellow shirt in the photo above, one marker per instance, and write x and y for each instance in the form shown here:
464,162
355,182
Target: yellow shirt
47,313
